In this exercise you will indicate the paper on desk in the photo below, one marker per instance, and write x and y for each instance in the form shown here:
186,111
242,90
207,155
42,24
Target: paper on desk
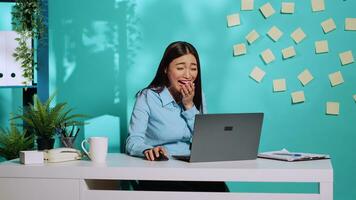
286,155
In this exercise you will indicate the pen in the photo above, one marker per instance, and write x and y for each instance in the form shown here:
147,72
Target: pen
71,132
288,154
75,136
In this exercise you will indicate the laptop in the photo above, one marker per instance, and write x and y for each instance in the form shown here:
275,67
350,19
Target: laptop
225,137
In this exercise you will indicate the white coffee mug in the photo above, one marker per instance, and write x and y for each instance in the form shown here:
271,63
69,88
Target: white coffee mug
98,148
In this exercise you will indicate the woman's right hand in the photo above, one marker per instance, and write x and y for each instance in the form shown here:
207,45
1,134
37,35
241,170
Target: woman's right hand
153,153
188,92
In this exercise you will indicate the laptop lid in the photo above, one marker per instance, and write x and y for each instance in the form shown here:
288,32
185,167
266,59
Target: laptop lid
226,137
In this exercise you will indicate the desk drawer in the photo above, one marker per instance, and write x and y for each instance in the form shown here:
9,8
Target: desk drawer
38,189
110,190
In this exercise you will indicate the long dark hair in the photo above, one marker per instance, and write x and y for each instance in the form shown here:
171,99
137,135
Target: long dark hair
173,51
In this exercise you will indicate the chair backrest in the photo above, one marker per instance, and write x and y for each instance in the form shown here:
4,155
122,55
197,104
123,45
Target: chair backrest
104,126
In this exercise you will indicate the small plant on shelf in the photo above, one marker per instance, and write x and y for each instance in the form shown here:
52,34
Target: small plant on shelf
12,141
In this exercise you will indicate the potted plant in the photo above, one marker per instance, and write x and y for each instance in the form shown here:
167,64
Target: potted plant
42,120
12,141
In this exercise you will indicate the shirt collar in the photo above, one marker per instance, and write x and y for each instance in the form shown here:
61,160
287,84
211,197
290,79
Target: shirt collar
166,97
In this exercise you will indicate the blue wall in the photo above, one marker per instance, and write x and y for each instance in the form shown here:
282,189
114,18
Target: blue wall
102,53
301,127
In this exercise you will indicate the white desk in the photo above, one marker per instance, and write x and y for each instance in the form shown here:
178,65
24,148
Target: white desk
68,180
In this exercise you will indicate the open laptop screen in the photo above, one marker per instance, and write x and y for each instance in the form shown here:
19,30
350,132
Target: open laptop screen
226,137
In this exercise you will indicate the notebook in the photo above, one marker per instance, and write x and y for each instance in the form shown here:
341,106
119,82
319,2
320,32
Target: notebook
286,155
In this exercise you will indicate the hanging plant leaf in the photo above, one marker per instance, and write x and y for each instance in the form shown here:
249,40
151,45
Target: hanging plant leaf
27,21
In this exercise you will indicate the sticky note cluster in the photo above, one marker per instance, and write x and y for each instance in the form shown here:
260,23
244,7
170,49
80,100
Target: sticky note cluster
288,52
287,7
321,46
305,77
332,108
279,85
298,35
298,97
239,49
336,78
267,56
274,33
267,10
233,20
257,74
346,57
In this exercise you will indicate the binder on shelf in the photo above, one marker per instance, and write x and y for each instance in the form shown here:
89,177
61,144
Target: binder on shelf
10,69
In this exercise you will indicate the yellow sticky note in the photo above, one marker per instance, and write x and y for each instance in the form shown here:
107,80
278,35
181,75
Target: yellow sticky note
354,97
246,4
350,24
239,49
318,5
298,35
252,36
305,77
279,85
287,7
332,108
321,46
267,56
336,78
328,25
233,20
267,10
346,57
275,33
298,97
288,52
257,74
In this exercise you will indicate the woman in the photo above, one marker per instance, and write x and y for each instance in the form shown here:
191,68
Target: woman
163,116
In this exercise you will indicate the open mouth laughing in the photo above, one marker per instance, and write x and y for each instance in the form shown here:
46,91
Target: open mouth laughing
183,82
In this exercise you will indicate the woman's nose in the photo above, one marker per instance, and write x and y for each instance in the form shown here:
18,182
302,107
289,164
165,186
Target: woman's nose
187,74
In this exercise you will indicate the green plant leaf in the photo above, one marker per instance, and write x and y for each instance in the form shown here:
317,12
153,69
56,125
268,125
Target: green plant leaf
27,20
12,141
42,119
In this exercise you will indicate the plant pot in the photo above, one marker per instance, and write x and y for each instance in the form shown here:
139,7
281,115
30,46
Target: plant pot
45,143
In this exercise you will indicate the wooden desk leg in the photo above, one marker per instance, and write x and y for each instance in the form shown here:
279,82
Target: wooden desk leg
326,190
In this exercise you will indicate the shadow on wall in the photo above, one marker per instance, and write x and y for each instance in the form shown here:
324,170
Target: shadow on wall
203,25
93,44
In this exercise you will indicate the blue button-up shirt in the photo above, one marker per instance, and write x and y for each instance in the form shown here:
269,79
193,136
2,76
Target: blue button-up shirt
157,120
